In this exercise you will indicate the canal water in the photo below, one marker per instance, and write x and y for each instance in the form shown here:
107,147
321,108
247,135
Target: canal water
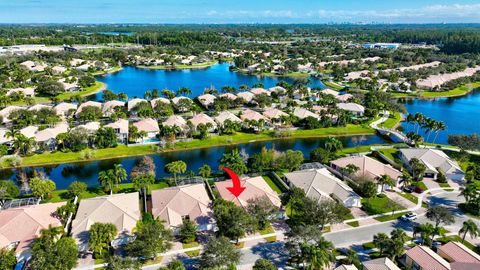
64,174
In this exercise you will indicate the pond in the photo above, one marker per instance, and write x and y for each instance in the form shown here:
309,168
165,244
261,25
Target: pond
87,172
460,114
135,81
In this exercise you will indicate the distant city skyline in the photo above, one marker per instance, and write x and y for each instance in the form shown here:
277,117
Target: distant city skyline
246,11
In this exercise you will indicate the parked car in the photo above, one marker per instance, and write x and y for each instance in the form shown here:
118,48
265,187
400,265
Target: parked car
408,189
409,217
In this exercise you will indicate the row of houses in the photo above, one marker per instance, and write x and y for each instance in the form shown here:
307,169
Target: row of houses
20,226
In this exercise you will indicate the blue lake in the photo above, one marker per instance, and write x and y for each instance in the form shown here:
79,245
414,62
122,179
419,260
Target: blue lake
135,81
64,174
460,114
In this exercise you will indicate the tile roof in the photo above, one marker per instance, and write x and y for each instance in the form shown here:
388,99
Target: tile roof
229,96
273,113
172,204
427,259
109,106
122,210
352,107
303,113
251,115
51,133
121,124
155,101
346,267
175,120
259,91
223,116
147,125
368,167
380,264
202,118
134,102
459,253
206,99
24,224
320,183
87,104
255,187
433,159
247,96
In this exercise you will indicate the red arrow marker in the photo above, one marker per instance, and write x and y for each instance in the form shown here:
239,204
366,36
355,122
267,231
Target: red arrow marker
237,188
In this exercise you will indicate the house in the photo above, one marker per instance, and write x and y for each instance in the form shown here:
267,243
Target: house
255,187
88,104
368,167
457,252
68,86
346,267
121,129
434,160
229,96
357,109
303,113
109,107
175,100
226,115
274,114
206,100
150,126
344,97
202,118
5,112
189,202
329,91
27,91
20,226
423,258
247,96
134,102
76,62
155,101
32,66
259,91
321,184
122,210
84,67
252,115
435,81
380,264
91,127
58,70
29,131
46,138
175,120
63,108
278,90
38,107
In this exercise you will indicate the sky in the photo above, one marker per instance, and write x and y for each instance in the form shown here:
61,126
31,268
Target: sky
239,11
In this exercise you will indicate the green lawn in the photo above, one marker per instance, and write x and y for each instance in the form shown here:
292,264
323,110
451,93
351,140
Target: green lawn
409,196
272,184
333,85
354,223
391,122
379,205
193,253
240,137
290,74
390,153
420,184
181,66
459,91
389,217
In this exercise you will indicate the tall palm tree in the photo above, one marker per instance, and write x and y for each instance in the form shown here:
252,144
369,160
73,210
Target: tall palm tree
205,171
399,234
429,125
385,179
120,173
332,145
318,255
406,179
419,118
380,241
468,192
351,169
440,126
106,179
469,227
410,119
176,167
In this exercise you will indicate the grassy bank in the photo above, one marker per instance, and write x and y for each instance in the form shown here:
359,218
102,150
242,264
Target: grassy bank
180,66
289,74
333,85
125,151
391,122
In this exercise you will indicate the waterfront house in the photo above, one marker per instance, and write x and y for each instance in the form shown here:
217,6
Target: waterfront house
251,115
131,104
38,107
46,138
303,113
229,96
76,62
357,109
109,107
121,129
320,184
69,86
423,258
434,161
206,100
20,226
275,115
62,109
344,97
154,102
380,264
122,210
88,104
91,127
5,112
255,187
259,91
346,267
176,204
329,91
278,90
29,131
369,168
437,80
175,100
247,96
226,115
148,125
457,252
27,91
202,118
175,120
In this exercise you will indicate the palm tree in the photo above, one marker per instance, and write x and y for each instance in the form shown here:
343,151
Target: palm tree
176,167
399,234
419,118
106,179
205,171
385,179
380,241
23,144
319,255
120,173
406,179
469,227
184,91
410,118
12,132
122,96
350,169
440,126
429,125
426,230
468,192
332,145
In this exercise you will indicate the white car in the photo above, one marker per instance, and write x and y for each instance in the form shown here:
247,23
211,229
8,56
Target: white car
409,217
